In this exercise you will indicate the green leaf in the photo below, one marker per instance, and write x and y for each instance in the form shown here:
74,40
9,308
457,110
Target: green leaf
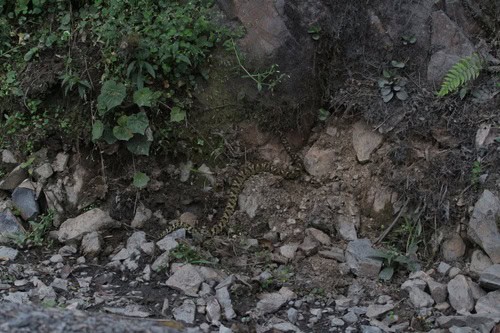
108,136
397,64
141,180
138,123
323,114
144,97
388,97
29,55
387,74
122,133
177,114
139,145
97,130
122,121
385,91
402,95
184,59
386,274
112,95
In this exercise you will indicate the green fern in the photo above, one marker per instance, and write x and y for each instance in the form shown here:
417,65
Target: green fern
465,70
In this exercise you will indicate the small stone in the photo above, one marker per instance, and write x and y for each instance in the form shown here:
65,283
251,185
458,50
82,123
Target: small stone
92,220
67,250
13,179
375,310
9,226
271,302
438,291
384,299
454,271
44,171
442,306
359,256
489,304
288,251
167,244
213,310
490,277
60,284
420,299
56,258
319,235
350,317
142,215
91,244
186,279
161,263
25,202
460,294
365,140
188,219
292,315
8,157
7,253
476,290
148,248
309,246
417,283
479,262
333,253
60,163
222,295
453,248
337,322
443,268
370,329
186,312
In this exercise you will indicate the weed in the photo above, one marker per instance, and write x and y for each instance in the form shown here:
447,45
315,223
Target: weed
189,255
465,70
392,84
476,172
37,233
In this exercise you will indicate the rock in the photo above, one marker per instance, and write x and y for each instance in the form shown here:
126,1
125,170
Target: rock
376,310
13,179
438,291
452,44
61,162
222,295
319,235
9,226
91,244
417,283
213,310
346,227
206,173
479,262
453,248
8,157
477,292
490,277
161,263
489,304
370,329
350,317
365,140
67,250
483,227
343,303
309,246
333,253
132,310
167,244
188,219
186,312
17,297
292,315
135,240
7,253
420,299
24,200
454,271
56,258
44,171
186,279
359,256
460,294
288,251
479,322
93,220
271,302
185,171
443,268
142,215
60,284
319,162
148,248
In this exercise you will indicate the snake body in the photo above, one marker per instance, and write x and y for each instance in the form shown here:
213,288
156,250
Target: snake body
236,188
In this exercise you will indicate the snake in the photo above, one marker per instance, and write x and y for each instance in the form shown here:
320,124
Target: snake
246,172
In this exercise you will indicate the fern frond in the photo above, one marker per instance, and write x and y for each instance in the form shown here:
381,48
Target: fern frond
465,70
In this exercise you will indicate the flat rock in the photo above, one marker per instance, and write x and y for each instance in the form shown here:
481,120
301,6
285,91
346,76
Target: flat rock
460,294
131,310
309,245
7,253
483,227
61,162
142,215
333,253
9,226
439,291
222,295
443,268
93,220
8,157
271,302
479,261
186,312
319,235
453,248
186,279
91,244
480,322
489,304
416,283
44,171
360,258
365,140
420,299
490,277
25,202
161,263
213,310
376,310
319,162
14,178
288,251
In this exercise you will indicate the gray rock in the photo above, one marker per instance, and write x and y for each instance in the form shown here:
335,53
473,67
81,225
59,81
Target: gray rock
24,200
288,251
148,248
9,226
61,162
60,284
91,244
346,227
187,279
142,215
452,43
186,312
319,235
417,283
337,322
333,253
365,140
455,329
13,179
271,302
67,250
489,304
454,271
350,317
480,322
7,253
370,329
132,310
44,171
360,258
17,297
376,310
222,295
93,220
460,294
490,277
483,227
292,315
167,244
420,299
8,157
185,171
438,291
135,241
343,303
213,310
479,262
443,268
453,248
161,263
319,161
56,258
309,246
477,292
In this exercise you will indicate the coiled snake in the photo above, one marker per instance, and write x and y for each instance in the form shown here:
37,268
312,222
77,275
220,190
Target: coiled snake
237,186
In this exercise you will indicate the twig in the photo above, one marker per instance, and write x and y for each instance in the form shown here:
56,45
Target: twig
386,232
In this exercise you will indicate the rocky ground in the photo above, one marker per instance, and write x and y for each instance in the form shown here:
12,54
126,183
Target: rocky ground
392,227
